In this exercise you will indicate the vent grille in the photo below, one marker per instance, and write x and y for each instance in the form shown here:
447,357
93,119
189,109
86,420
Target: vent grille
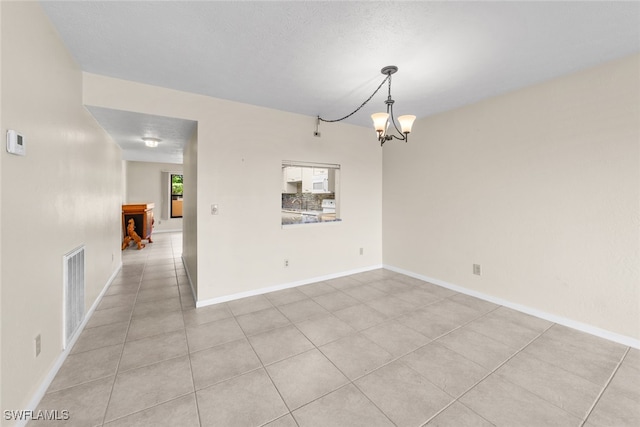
73,292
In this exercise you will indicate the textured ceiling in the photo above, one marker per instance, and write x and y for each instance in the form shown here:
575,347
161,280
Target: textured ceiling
128,128
325,57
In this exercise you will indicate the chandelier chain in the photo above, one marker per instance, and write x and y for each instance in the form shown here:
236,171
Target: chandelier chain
361,105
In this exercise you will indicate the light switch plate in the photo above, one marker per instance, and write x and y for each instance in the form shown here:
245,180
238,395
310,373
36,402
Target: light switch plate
16,143
476,269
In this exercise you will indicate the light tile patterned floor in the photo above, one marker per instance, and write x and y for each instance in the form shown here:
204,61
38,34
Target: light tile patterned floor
372,349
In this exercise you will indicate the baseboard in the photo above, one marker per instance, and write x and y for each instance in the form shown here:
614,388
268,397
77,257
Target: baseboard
177,230
583,327
266,290
42,389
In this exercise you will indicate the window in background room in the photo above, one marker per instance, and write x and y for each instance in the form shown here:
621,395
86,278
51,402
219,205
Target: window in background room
176,195
310,192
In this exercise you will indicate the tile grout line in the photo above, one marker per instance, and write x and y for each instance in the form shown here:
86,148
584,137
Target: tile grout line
456,399
246,337
122,352
104,416
349,380
184,330
372,402
352,382
396,358
604,388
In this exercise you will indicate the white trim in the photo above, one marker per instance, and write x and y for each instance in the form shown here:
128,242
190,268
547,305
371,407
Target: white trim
186,269
165,212
261,291
311,224
46,382
178,230
296,163
583,327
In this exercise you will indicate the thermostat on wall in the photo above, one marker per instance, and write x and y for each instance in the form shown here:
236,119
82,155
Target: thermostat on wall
16,144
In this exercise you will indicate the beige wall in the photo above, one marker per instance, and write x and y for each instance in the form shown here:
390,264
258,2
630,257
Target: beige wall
1,127
539,186
190,210
147,183
243,248
66,192
124,181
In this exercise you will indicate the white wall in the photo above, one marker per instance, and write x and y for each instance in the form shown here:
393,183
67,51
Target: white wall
66,192
124,181
243,248
1,127
190,210
146,183
540,187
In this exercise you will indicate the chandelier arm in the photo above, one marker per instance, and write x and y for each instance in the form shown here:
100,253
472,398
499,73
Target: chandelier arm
399,138
361,105
393,120
385,138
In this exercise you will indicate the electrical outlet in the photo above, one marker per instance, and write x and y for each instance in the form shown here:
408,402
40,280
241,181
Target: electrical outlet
286,263
38,342
361,251
476,269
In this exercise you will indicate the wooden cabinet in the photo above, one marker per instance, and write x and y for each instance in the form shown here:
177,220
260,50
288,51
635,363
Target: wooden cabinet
142,214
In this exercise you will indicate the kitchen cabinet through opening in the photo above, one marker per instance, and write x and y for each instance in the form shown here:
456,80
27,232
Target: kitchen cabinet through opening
310,192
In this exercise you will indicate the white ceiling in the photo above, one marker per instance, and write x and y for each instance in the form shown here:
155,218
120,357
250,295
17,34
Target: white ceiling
313,57
128,128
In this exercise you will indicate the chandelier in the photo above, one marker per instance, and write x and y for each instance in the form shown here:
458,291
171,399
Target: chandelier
382,121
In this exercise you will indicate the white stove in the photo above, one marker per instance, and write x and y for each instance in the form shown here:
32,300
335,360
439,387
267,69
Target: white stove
329,206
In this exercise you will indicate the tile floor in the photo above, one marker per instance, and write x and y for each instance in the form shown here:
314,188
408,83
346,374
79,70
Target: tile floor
372,349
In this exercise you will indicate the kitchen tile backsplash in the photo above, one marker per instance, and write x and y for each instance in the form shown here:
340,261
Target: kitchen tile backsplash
305,201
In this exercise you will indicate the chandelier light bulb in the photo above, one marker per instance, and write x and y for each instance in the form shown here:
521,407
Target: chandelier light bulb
406,122
380,121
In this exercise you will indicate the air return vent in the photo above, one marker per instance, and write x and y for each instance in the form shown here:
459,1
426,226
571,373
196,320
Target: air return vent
73,271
